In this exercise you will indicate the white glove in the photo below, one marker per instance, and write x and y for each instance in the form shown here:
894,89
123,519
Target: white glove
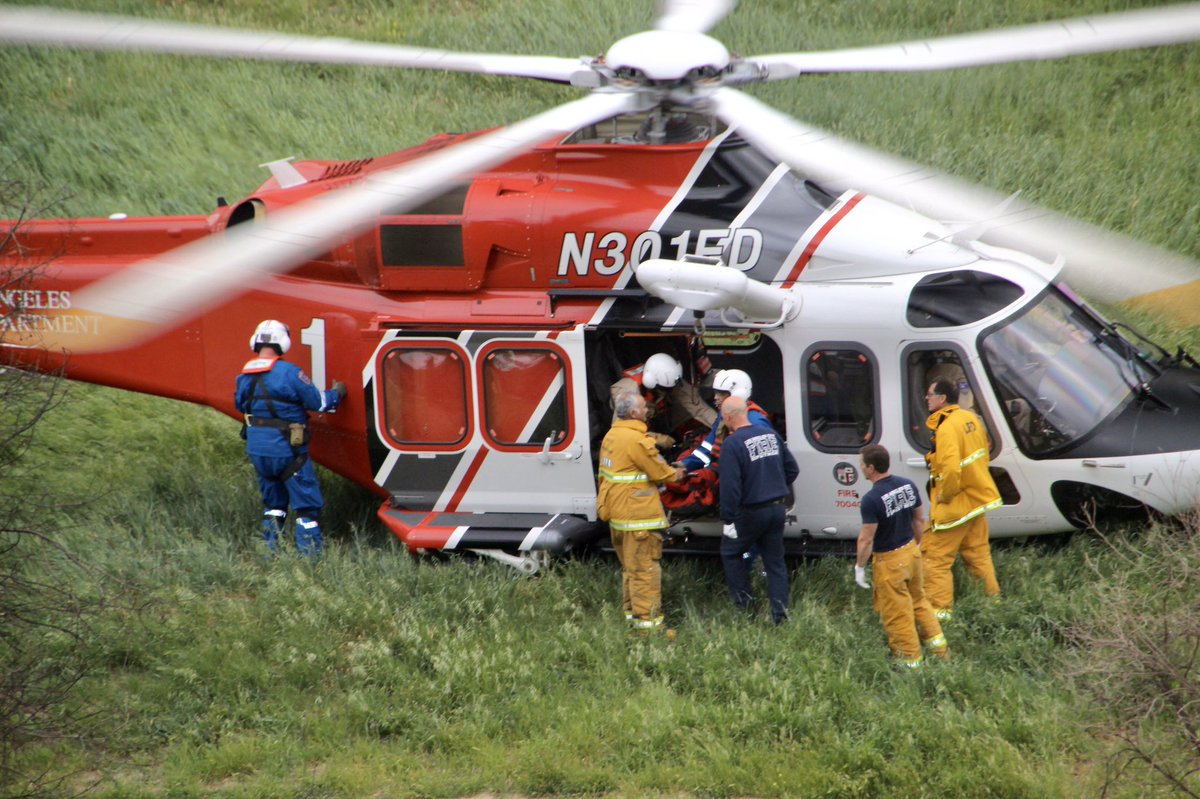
860,576
730,531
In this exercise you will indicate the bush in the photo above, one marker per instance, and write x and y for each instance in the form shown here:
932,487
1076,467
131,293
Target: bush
44,608
1138,657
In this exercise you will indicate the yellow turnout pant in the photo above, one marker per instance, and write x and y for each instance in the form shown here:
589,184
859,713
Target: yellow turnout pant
940,547
901,603
640,553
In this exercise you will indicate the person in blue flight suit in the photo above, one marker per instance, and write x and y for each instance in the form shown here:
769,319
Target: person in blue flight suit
275,397
726,383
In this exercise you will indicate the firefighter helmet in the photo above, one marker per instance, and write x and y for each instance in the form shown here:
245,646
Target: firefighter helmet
661,370
271,332
734,382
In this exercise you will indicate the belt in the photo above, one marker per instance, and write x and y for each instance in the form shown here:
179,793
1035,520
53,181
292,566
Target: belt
268,421
767,504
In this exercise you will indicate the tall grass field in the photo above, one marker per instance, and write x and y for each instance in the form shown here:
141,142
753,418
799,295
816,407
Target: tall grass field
210,670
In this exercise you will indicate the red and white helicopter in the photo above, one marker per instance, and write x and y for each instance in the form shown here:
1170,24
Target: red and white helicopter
484,289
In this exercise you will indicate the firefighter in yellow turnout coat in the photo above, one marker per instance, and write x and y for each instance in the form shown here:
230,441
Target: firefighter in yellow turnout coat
961,493
630,471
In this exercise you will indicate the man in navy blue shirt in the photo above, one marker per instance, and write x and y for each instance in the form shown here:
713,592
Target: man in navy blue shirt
275,397
757,471
893,524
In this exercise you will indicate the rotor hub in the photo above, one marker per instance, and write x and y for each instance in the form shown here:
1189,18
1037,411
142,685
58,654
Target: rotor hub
667,56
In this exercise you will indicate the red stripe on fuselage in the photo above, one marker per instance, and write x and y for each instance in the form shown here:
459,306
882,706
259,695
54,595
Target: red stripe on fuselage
465,483
416,536
816,240
429,537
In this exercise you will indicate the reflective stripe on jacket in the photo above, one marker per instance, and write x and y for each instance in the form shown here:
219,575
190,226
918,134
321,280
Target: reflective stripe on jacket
630,471
961,486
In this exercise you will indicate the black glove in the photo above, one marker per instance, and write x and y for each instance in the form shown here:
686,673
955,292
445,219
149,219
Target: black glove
339,388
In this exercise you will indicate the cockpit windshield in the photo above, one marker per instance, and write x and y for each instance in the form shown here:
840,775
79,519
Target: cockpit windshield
1059,371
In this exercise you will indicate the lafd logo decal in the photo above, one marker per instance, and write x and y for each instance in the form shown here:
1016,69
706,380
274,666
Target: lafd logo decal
845,473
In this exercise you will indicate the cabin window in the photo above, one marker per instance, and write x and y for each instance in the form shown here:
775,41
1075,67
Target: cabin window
923,367
841,399
425,396
959,298
525,396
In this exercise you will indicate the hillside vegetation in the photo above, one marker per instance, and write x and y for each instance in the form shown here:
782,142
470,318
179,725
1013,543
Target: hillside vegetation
216,672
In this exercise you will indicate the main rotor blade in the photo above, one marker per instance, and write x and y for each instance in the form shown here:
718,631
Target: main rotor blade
25,25
692,16
1145,28
1101,264
183,283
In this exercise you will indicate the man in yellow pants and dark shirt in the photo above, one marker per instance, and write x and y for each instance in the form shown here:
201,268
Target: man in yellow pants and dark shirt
892,528
961,492
630,470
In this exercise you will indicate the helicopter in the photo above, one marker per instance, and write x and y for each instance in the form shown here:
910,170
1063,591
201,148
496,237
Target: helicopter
486,288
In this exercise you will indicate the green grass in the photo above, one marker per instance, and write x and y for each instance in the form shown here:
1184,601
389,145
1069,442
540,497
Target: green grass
221,674
218,672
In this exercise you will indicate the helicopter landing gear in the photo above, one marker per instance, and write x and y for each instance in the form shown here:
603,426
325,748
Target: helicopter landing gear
527,563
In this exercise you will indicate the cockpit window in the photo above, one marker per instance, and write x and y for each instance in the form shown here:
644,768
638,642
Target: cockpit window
959,298
1058,373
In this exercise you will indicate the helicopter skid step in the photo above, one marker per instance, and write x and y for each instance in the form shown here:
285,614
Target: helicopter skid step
495,535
